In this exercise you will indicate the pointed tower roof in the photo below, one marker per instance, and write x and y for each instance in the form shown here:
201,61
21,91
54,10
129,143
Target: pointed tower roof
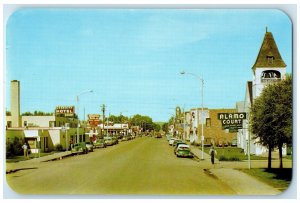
268,55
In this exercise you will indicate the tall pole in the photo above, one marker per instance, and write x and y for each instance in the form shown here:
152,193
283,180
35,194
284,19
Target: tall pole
202,136
67,139
202,84
249,161
183,124
78,123
103,111
107,125
77,138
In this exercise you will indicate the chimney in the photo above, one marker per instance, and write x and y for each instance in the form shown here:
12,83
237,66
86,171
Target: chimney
15,103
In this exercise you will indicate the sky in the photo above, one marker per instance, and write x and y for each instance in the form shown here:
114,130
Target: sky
132,58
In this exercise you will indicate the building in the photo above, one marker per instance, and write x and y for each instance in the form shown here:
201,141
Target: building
42,132
213,131
269,67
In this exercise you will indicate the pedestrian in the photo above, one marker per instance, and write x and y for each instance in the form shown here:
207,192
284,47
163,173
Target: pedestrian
25,149
71,143
212,153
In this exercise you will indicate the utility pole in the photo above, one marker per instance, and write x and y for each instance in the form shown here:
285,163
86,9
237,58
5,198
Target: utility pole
103,111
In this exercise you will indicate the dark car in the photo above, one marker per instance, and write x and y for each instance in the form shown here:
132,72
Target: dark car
158,135
79,148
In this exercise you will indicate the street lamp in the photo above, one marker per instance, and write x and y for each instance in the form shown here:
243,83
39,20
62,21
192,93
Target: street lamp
122,122
202,83
77,99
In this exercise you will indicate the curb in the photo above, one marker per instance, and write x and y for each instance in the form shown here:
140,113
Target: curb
23,165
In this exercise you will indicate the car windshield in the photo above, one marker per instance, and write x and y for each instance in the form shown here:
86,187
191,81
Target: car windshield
183,148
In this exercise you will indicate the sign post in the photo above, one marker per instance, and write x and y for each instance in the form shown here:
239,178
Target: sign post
233,122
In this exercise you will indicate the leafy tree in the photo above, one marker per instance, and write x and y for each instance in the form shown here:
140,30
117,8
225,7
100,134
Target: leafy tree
271,116
27,114
37,113
156,127
165,127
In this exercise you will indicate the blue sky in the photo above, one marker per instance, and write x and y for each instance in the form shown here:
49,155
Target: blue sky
132,59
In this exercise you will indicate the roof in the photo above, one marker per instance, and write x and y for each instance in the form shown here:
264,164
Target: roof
269,50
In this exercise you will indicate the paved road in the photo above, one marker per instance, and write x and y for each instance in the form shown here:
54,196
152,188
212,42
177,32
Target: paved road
144,166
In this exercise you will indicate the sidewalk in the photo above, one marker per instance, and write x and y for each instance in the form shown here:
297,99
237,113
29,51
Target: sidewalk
31,163
241,183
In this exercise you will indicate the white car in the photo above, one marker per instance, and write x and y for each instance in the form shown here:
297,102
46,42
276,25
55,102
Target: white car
90,146
171,141
181,147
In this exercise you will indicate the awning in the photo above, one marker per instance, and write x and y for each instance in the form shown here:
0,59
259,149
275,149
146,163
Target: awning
31,133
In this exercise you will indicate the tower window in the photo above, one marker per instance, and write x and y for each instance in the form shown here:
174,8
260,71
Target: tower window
270,59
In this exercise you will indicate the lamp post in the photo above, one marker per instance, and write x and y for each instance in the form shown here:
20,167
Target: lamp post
202,84
77,99
122,122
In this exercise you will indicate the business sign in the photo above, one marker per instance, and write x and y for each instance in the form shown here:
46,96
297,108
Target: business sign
232,120
65,110
94,120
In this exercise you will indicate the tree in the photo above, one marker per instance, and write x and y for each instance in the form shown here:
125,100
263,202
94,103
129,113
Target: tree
156,127
271,116
165,127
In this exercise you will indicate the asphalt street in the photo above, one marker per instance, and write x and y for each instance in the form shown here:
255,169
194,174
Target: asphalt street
143,166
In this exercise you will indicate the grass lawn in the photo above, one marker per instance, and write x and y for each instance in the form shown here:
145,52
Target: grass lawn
232,154
276,177
22,158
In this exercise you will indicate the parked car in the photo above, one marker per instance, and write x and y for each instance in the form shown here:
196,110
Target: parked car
115,140
176,142
184,152
126,138
108,141
171,141
79,148
90,146
169,137
100,143
180,145
158,135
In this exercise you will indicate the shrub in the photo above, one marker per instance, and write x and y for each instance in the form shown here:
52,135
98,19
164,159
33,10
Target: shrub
223,158
14,147
58,147
234,158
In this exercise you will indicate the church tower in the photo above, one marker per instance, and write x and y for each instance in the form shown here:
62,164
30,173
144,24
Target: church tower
269,66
